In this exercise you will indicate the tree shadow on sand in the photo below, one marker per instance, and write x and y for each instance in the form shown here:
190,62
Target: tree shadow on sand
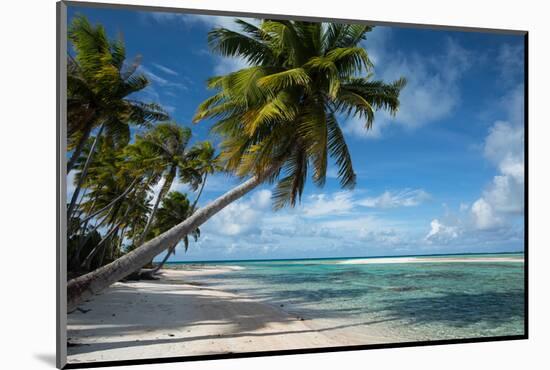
231,317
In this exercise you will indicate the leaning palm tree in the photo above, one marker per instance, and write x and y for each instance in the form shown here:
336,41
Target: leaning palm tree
205,162
277,118
175,209
100,84
168,143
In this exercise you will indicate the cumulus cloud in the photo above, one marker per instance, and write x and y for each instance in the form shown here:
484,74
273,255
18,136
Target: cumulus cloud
504,148
242,216
494,217
441,233
403,198
484,215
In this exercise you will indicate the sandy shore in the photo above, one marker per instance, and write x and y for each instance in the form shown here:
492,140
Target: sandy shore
177,316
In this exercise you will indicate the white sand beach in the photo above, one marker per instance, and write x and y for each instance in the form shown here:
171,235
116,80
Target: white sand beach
176,316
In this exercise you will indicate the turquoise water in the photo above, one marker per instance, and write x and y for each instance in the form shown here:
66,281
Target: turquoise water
425,299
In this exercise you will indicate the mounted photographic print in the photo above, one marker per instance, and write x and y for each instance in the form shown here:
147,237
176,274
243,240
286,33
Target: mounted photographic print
235,184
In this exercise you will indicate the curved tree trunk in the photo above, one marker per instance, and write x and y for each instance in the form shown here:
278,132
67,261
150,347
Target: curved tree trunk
87,285
88,260
171,249
75,260
79,147
165,188
194,205
112,203
168,253
83,173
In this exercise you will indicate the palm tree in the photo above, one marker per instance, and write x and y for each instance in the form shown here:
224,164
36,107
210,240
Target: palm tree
99,85
168,143
115,186
276,118
175,209
206,163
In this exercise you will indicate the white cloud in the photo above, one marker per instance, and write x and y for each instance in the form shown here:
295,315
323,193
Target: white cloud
494,219
323,205
403,198
340,203
510,61
440,232
228,65
165,69
484,215
505,194
262,199
504,143
242,216
161,81
504,147
432,91
376,44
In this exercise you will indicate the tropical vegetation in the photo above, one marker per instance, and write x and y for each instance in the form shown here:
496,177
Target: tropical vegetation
116,167
278,120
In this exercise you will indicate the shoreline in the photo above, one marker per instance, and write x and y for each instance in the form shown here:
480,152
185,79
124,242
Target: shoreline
176,316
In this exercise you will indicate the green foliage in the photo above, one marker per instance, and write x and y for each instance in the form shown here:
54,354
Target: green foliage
99,83
278,117
115,207
175,208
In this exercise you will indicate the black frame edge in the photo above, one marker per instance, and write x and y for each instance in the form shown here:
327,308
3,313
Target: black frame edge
61,186
291,17
224,356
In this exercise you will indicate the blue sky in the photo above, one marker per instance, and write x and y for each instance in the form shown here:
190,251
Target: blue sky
443,176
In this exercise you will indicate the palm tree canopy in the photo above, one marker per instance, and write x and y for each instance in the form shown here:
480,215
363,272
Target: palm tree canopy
167,145
100,83
282,111
175,208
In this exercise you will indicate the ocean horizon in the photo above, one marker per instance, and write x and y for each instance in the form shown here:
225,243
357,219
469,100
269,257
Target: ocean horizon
346,257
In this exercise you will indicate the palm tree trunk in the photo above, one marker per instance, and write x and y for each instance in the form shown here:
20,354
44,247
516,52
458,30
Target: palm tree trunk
168,253
83,174
79,147
121,241
87,285
75,260
112,203
165,187
171,249
88,260
194,205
